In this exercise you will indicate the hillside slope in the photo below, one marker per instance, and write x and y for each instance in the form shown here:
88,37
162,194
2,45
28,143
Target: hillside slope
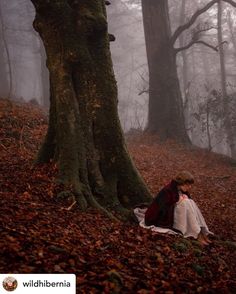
40,235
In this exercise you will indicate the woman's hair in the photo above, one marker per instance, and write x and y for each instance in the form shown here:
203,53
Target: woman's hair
184,177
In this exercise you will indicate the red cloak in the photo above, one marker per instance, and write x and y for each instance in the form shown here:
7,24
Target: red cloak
161,211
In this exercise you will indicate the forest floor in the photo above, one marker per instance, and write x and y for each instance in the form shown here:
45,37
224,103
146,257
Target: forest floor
40,235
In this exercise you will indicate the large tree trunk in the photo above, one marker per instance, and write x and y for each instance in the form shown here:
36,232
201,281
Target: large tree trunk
84,135
165,115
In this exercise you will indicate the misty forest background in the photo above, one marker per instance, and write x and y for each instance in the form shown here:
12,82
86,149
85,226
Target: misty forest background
65,161
206,68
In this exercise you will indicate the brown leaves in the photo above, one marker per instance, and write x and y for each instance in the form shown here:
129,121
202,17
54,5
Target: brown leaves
37,235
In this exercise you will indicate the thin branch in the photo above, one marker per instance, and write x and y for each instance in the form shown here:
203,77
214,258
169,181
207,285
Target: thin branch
196,33
184,27
196,42
206,29
224,42
69,208
143,91
207,45
231,2
142,78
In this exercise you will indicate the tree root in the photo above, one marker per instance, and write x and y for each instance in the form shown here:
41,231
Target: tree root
93,203
82,195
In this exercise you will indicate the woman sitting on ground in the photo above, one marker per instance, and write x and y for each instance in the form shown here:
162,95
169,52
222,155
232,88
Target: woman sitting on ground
173,208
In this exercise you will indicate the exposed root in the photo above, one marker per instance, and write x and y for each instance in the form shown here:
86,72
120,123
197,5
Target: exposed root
64,194
76,196
82,195
79,196
124,214
93,203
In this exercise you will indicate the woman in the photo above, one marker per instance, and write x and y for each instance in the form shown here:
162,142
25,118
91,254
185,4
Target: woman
173,208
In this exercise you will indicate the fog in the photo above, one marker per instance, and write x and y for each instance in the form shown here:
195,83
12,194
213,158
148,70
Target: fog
130,62
23,72
25,51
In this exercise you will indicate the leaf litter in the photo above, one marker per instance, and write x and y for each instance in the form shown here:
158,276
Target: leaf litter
38,235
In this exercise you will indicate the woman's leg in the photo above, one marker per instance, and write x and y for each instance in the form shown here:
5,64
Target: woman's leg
201,239
205,235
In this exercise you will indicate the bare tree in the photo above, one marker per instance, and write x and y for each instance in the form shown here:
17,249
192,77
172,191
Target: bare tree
165,101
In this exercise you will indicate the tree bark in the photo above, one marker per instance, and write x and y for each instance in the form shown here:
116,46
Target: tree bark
84,135
165,116
44,75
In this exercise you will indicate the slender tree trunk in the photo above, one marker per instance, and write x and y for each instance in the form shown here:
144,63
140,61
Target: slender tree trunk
183,53
84,135
4,85
225,98
208,126
233,39
232,33
165,115
7,53
221,51
206,67
193,59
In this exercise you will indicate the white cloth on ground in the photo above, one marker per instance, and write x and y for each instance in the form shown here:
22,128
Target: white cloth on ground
140,214
188,219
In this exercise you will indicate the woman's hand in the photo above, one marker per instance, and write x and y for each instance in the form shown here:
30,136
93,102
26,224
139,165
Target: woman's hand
183,197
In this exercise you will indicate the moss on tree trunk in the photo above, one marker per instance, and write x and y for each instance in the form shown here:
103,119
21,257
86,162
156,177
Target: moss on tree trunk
84,135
